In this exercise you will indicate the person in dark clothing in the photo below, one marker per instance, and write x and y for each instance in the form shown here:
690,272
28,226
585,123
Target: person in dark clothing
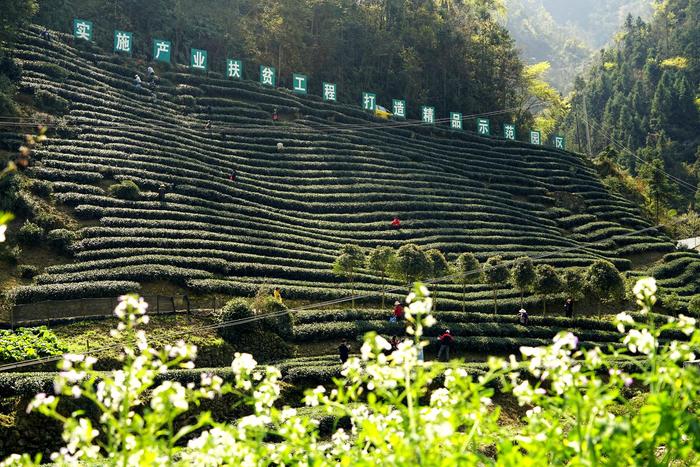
446,342
275,115
394,342
523,318
161,192
232,176
46,35
207,126
344,351
569,307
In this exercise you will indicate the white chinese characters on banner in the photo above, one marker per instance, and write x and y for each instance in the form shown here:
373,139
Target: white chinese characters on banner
329,92
456,120
428,114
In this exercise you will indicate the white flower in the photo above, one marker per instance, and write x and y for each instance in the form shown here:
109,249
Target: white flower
644,288
382,343
686,324
243,362
3,228
621,319
429,321
39,400
314,398
642,341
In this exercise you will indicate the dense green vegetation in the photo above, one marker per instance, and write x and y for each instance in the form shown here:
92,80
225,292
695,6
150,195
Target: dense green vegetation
28,343
642,101
452,55
284,219
567,33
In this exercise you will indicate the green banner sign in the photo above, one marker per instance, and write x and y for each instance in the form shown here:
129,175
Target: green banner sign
268,76
82,29
198,59
398,108
509,131
483,126
123,41
455,120
535,137
369,101
329,92
299,83
234,69
560,142
161,50
427,114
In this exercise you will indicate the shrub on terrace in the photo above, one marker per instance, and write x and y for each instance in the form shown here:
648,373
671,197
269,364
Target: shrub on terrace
574,283
30,234
605,282
438,268
467,271
547,282
61,239
380,261
50,102
412,264
495,274
27,271
694,305
349,260
126,189
522,276
234,310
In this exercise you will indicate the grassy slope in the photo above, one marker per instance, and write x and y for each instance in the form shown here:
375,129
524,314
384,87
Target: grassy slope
284,219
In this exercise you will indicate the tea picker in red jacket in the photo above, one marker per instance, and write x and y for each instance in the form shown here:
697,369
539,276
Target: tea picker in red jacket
396,222
446,342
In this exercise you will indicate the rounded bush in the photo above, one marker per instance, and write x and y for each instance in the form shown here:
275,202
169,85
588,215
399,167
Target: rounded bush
282,323
50,102
127,190
27,271
30,234
234,310
61,239
41,188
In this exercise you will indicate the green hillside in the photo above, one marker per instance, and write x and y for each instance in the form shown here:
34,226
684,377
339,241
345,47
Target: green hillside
340,178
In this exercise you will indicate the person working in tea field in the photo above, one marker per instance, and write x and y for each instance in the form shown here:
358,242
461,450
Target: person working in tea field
137,81
569,307
399,312
161,192
446,342
523,318
275,115
344,351
46,35
277,295
396,222
232,176
150,72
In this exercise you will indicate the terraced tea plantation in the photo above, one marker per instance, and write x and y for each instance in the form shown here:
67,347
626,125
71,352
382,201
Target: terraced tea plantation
341,177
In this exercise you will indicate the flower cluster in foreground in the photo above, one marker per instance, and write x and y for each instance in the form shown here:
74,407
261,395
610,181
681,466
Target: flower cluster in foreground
576,402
